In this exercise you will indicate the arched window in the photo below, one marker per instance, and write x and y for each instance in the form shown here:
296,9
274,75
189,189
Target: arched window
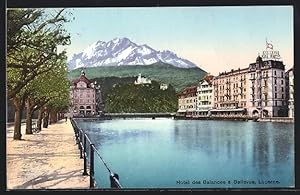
81,107
88,107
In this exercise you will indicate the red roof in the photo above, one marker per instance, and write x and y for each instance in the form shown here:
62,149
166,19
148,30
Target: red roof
82,78
208,78
188,90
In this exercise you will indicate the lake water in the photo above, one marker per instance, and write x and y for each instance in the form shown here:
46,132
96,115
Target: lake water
166,153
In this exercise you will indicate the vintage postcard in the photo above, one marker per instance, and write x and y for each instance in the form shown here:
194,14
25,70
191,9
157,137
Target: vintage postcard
178,97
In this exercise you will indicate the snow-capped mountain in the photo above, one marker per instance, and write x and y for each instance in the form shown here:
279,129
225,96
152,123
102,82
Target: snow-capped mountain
122,51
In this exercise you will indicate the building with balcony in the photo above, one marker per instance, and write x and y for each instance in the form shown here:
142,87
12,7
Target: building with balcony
83,97
187,101
267,88
204,101
231,93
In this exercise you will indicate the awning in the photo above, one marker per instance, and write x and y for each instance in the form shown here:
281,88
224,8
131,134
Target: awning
228,110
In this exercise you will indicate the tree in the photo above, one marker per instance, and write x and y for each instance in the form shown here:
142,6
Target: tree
44,88
33,36
60,94
32,39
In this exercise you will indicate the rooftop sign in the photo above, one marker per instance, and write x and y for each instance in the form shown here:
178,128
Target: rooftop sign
269,54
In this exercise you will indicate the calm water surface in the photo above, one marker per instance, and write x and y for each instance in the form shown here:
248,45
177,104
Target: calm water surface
166,153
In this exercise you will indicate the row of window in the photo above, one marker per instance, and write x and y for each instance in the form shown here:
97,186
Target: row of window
84,107
204,97
205,92
83,96
204,86
230,79
237,91
188,101
84,101
187,107
234,86
268,103
204,103
265,74
230,97
266,96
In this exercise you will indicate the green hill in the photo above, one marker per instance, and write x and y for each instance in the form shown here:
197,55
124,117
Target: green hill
179,78
130,98
107,83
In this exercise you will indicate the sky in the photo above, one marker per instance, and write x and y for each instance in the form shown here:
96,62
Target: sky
215,38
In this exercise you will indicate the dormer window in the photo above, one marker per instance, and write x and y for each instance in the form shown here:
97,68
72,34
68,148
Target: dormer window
81,84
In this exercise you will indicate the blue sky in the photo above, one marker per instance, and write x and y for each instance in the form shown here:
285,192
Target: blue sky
215,38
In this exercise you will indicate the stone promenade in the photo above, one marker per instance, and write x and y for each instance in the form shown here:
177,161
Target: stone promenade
45,160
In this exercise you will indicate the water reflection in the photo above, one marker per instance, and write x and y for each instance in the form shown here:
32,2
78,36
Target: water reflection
260,147
161,151
261,152
214,141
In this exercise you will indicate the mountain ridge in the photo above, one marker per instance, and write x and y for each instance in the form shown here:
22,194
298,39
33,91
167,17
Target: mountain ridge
122,51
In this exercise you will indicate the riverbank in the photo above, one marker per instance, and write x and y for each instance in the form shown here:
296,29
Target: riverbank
46,160
232,118
180,117
277,119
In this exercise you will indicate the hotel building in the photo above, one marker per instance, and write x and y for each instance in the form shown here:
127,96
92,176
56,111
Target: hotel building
205,96
259,90
83,97
187,101
231,93
267,88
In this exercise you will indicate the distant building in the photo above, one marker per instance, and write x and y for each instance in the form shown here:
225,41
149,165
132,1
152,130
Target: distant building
83,97
142,80
261,90
187,101
290,92
163,86
204,101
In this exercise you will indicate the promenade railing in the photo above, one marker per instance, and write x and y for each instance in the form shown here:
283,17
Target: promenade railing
83,140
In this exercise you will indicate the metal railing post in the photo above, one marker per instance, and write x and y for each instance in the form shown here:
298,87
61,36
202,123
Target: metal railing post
92,166
84,155
80,144
113,183
75,131
78,138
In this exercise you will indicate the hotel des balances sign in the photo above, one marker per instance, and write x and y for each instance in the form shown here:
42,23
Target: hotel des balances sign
269,53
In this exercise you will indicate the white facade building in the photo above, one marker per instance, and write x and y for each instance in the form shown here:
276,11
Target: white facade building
187,101
142,80
163,86
205,96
